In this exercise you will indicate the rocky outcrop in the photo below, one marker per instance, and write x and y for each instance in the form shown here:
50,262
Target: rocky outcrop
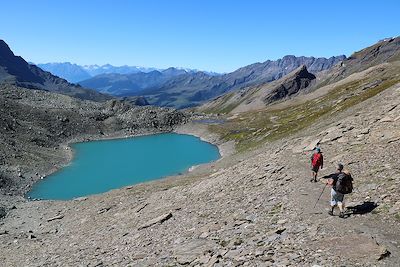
300,79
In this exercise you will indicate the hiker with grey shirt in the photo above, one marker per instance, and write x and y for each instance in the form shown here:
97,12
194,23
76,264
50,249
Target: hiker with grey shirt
341,183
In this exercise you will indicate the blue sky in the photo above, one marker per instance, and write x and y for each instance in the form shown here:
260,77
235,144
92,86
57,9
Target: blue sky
215,35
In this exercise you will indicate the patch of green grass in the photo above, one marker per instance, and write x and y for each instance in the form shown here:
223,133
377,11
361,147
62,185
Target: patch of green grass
221,107
395,57
276,209
228,108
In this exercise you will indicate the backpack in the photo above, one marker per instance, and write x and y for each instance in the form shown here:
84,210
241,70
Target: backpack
344,183
316,160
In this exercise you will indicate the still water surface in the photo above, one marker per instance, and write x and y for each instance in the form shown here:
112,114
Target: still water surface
100,166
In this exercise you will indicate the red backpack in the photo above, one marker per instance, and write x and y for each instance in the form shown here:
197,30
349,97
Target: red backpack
317,160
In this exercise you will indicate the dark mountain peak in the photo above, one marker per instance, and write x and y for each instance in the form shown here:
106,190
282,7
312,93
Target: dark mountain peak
291,84
302,72
5,50
16,67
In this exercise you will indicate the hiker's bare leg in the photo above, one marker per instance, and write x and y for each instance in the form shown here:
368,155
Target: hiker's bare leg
341,208
340,205
314,176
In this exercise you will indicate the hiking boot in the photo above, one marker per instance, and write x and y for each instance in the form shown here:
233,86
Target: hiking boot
330,213
341,215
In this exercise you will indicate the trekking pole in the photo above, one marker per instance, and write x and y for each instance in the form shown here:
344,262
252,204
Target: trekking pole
320,195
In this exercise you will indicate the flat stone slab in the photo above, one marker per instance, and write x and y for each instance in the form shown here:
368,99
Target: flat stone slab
187,252
58,217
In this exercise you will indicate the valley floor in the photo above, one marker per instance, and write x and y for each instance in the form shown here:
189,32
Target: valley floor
250,209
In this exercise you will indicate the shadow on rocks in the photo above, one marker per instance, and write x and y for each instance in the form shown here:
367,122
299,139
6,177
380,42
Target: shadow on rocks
3,212
363,208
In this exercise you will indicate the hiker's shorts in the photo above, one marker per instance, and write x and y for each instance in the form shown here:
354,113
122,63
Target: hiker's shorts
336,197
315,168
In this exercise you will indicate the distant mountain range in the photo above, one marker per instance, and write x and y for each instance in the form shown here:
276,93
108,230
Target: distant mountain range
172,87
15,70
75,73
181,89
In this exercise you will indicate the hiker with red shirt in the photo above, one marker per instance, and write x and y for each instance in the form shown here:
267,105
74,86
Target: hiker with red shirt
317,162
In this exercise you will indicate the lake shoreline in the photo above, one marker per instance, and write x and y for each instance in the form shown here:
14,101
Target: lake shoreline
194,129
200,130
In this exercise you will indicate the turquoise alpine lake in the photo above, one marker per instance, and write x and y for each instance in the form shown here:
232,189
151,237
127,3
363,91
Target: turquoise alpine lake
99,166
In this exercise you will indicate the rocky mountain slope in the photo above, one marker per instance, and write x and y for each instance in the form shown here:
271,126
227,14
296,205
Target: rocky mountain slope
258,97
193,88
385,51
15,70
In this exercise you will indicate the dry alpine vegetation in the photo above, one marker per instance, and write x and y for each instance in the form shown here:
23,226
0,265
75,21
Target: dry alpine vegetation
254,207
